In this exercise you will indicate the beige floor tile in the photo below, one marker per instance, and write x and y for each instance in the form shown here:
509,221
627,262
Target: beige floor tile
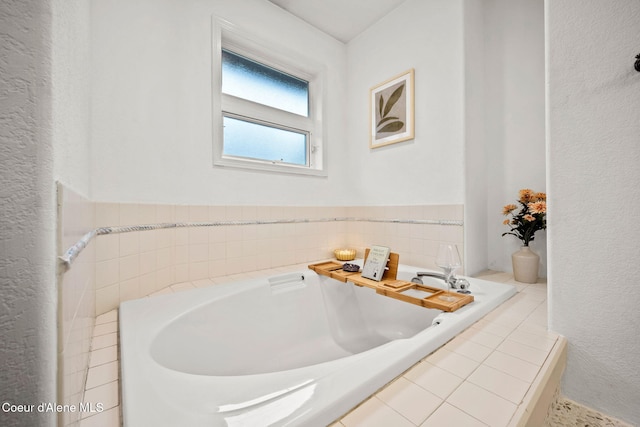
519,312
497,382
532,340
450,416
452,362
503,318
105,328
512,365
103,355
481,337
482,404
102,374
524,352
108,418
535,328
103,341
433,379
470,349
106,395
496,328
374,413
110,316
410,400
494,276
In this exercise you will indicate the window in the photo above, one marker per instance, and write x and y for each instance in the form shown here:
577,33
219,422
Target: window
267,106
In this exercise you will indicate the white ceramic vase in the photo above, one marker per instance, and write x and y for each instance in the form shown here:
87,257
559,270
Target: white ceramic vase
525,265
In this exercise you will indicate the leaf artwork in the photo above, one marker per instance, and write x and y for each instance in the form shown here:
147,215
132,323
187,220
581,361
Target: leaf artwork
395,124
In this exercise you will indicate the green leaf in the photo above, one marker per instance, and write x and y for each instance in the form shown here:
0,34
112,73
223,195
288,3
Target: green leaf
380,104
386,119
392,127
395,96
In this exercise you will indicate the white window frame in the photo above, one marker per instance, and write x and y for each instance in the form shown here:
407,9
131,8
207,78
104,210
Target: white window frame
229,37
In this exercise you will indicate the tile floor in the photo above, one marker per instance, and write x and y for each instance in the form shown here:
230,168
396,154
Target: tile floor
480,378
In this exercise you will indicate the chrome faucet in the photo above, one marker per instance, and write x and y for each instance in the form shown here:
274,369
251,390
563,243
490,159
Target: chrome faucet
454,282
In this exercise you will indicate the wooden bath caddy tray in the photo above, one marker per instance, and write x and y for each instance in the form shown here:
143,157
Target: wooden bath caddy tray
414,293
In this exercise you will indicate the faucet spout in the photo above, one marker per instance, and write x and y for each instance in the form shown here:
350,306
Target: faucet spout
453,281
430,274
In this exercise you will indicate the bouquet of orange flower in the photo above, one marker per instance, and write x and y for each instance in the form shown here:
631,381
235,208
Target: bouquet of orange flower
531,217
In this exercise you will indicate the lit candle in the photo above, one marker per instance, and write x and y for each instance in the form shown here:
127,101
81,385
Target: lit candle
345,254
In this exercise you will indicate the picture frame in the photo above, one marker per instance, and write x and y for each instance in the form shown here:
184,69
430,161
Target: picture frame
391,110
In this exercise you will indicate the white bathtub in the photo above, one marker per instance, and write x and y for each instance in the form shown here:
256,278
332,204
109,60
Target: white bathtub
295,349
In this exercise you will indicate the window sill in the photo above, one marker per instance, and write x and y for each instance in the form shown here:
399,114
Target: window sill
268,167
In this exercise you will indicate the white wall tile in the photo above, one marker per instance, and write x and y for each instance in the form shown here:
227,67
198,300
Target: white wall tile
129,243
129,267
217,213
199,270
181,236
130,289
181,272
148,283
129,214
107,214
198,235
198,253
198,213
181,213
148,240
165,214
107,298
147,213
107,247
107,272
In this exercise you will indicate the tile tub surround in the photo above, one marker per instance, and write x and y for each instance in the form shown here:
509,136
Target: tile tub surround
239,239
76,300
487,375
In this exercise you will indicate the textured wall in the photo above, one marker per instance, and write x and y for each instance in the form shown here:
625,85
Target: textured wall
70,95
593,175
27,242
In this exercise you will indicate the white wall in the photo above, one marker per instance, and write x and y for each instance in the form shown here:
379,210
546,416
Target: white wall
27,212
70,92
514,117
426,36
479,114
594,194
151,109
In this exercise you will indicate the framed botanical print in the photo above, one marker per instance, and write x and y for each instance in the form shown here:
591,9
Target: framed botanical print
391,110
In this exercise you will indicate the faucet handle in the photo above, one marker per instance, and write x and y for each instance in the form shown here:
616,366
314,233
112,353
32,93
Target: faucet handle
462,285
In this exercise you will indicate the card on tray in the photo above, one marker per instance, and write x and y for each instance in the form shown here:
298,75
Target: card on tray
376,262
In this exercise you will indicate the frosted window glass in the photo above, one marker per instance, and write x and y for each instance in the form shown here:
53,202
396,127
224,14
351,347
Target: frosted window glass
250,80
257,141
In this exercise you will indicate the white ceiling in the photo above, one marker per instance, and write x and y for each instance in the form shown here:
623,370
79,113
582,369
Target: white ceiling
342,19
